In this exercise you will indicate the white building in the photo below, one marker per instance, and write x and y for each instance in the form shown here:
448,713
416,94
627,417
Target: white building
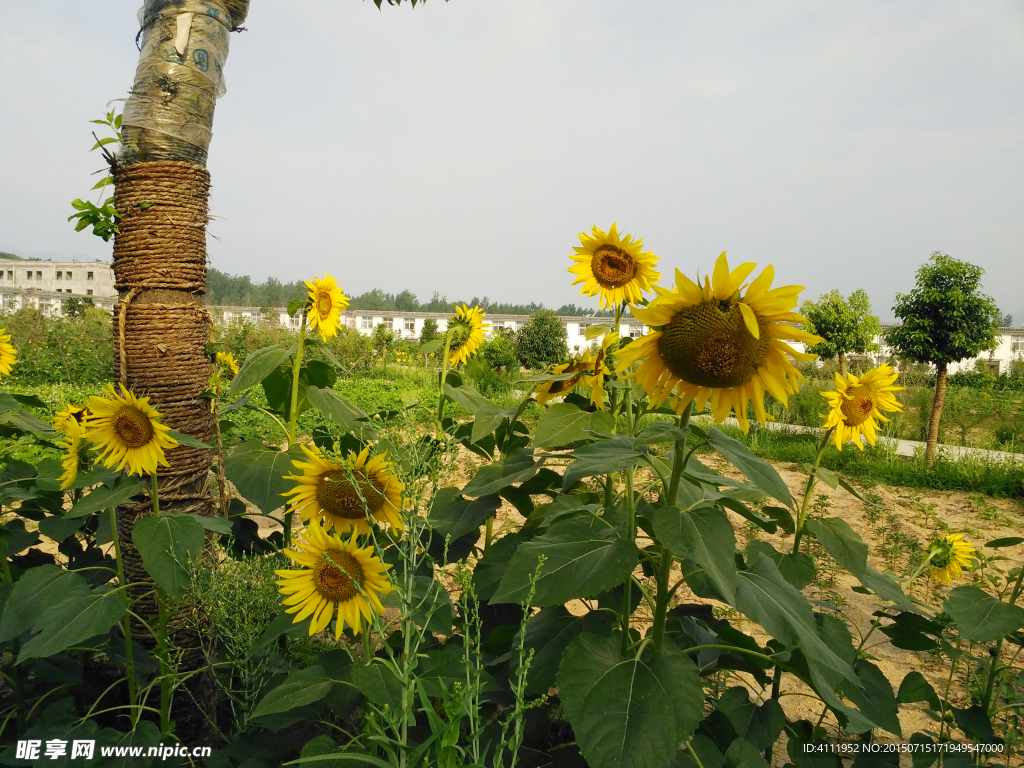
45,284
409,325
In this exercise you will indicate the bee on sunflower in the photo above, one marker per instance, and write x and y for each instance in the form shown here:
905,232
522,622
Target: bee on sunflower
334,574
857,402
8,354
325,303
345,493
467,326
720,343
590,369
615,267
128,431
948,556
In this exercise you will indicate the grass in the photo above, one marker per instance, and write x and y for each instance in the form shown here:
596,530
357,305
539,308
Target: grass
880,464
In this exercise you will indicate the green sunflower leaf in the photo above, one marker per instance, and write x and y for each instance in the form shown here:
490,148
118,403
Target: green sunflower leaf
584,557
629,712
980,617
705,535
258,473
298,689
75,618
257,366
517,467
760,473
167,544
565,423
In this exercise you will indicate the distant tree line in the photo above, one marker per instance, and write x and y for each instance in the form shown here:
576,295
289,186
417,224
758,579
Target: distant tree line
223,289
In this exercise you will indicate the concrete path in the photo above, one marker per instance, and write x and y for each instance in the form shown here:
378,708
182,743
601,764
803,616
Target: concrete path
903,447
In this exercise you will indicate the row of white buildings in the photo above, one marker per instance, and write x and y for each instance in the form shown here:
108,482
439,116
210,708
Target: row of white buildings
44,285
409,325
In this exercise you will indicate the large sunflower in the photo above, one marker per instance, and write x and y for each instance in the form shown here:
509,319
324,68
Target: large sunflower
469,326
333,573
616,267
857,402
343,492
714,343
128,431
590,370
8,354
949,556
326,301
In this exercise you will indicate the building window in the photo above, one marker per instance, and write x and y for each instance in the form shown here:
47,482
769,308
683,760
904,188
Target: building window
89,293
88,275
366,322
59,274
1017,344
28,276
389,323
69,291
410,326
60,290
583,328
39,275
635,333
69,274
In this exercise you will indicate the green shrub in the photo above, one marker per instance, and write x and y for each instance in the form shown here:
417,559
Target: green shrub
75,350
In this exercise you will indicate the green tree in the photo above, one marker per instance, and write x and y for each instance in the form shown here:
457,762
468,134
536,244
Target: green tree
1006,321
846,325
500,352
429,332
382,339
944,320
542,340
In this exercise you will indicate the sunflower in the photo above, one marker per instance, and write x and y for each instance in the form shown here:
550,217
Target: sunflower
949,556
342,492
716,343
469,326
325,304
333,573
8,354
71,421
590,370
129,431
227,360
857,402
616,267
75,458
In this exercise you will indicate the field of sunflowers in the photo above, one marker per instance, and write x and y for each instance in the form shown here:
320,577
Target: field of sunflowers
617,583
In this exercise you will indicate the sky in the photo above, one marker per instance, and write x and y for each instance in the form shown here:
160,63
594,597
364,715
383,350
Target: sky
460,147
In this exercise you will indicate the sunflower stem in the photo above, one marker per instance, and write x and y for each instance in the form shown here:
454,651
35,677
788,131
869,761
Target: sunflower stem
809,488
126,627
664,596
293,414
444,376
161,641
986,700
627,588
19,674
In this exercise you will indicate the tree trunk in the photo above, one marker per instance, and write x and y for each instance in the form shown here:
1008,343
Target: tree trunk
160,326
933,422
842,363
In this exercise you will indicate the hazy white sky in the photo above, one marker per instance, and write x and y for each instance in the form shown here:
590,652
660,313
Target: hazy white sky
459,147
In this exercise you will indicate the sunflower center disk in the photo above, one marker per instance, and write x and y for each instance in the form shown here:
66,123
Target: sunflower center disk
858,410
323,304
133,427
337,495
612,267
709,345
337,575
